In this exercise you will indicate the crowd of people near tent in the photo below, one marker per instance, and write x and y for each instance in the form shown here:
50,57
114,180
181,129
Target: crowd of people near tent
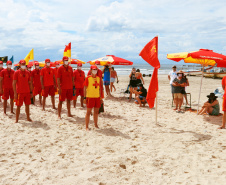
24,84
179,82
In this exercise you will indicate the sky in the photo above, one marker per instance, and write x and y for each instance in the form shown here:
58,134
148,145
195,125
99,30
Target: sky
97,28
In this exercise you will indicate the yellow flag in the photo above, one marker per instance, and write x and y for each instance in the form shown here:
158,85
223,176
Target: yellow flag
30,56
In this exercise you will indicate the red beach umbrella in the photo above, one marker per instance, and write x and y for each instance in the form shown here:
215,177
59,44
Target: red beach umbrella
111,59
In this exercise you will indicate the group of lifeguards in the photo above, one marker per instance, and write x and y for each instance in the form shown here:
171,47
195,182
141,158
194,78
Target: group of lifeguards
21,86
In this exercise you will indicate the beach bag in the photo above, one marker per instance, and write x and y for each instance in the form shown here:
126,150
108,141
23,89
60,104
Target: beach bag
101,108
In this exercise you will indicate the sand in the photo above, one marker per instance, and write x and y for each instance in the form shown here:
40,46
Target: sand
129,148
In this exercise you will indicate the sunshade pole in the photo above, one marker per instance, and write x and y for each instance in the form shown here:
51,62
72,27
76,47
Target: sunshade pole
200,89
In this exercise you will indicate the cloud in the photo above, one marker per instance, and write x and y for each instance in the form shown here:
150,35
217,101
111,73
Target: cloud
101,27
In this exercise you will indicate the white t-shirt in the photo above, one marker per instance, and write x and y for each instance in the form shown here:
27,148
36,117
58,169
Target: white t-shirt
172,75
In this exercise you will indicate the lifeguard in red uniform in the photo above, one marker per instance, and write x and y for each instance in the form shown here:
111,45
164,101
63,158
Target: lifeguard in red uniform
22,87
36,81
79,79
48,84
6,85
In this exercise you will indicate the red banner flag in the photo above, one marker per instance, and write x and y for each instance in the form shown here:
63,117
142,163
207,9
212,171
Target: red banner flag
150,53
153,88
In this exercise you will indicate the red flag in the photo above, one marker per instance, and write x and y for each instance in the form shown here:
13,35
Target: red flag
153,88
150,53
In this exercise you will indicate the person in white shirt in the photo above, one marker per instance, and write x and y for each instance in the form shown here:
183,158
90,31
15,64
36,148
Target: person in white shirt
172,75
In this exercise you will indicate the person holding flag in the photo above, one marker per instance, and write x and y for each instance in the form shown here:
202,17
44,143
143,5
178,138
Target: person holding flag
48,83
79,79
6,85
65,81
22,87
35,78
1,68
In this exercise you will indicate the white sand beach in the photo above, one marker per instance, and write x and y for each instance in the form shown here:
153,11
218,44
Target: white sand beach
129,148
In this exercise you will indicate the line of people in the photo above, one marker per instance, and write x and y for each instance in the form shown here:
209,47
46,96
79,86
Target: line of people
23,85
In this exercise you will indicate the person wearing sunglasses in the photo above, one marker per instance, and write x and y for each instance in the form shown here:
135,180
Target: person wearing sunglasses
48,83
6,85
22,87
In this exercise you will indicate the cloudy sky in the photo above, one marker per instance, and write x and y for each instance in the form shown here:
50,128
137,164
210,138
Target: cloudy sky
99,27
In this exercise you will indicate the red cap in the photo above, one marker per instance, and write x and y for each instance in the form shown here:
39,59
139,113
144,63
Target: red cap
29,66
65,58
97,62
1,62
22,61
47,60
57,63
79,64
36,64
9,62
93,67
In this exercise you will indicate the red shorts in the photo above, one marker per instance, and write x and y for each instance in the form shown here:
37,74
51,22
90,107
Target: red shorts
224,104
66,94
37,90
79,91
93,102
48,90
8,93
23,97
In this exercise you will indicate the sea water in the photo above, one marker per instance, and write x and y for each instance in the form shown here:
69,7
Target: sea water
144,68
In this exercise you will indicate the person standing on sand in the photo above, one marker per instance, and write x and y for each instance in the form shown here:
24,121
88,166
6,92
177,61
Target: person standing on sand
37,87
1,68
178,86
132,82
107,76
65,81
172,75
48,83
224,103
113,76
55,74
6,86
92,93
22,87
139,77
79,79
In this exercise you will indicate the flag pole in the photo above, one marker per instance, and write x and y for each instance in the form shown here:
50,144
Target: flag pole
156,99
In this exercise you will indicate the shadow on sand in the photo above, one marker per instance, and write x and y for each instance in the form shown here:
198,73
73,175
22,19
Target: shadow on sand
112,132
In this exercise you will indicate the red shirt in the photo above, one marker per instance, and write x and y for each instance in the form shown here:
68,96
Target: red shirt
23,78
65,74
35,74
79,78
99,73
55,73
224,84
7,78
47,74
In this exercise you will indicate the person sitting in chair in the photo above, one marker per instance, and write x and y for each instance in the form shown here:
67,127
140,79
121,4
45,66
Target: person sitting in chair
211,106
140,94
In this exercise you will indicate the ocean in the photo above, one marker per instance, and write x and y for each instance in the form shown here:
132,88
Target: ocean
144,68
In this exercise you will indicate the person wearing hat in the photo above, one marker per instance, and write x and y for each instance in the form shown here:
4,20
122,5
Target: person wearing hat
210,107
92,96
22,87
141,94
48,83
172,75
79,79
178,85
57,64
6,85
1,68
29,68
36,80
65,82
